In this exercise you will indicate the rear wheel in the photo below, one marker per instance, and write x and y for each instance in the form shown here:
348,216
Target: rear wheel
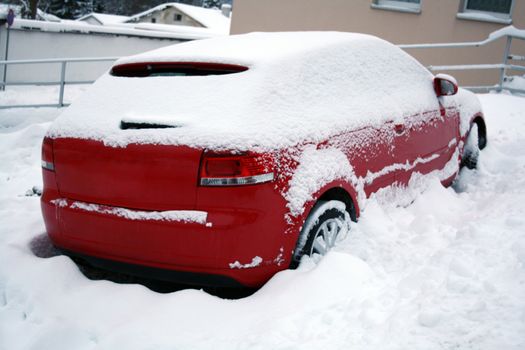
326,225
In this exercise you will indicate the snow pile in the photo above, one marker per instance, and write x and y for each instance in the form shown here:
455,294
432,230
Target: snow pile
258,108
33,94
515,82
445,269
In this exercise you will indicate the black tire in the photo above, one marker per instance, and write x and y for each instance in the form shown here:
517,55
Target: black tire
312,236
472,148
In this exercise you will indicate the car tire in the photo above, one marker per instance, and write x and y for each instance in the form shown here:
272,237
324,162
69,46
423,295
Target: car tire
327,223
472,148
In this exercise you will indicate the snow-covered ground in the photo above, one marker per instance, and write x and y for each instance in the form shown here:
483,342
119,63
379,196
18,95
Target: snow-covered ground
432,268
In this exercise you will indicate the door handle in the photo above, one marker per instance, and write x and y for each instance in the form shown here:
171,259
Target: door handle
400,128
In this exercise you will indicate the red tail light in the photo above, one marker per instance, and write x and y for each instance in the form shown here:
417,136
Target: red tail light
47,154
218,169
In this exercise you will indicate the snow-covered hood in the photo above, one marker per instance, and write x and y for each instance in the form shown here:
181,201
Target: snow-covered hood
299,87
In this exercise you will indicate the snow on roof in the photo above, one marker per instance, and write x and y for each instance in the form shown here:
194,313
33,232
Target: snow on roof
209,18
104,18
199,32
299,86
131,29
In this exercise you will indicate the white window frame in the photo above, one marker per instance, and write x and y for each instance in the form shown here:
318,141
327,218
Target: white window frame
485,16
396,5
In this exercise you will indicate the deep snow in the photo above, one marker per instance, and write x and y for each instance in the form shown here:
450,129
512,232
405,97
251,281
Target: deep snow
425,268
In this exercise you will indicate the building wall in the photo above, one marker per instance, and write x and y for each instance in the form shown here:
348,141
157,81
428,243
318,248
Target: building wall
436,23
36,44
167,16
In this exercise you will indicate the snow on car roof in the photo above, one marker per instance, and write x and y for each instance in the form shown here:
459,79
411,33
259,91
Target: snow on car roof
253,48
303,86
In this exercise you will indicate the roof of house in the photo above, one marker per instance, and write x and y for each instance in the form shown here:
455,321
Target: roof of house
163,31
210,18
103,18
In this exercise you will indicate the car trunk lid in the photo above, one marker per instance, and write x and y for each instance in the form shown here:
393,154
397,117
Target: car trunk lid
138,176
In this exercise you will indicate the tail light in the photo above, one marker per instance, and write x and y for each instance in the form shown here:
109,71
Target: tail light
236,169
47,154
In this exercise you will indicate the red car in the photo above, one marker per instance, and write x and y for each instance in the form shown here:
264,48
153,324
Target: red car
223,161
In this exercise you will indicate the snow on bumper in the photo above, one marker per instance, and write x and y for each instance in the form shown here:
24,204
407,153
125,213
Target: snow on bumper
187,216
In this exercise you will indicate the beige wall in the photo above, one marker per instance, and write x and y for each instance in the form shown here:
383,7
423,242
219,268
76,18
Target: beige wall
437,22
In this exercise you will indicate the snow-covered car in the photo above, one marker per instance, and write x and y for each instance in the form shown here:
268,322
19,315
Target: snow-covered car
224,161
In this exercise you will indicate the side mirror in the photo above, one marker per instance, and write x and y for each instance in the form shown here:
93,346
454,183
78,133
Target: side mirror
445,85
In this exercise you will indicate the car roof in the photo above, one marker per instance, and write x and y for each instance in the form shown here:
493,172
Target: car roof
299,87
253,48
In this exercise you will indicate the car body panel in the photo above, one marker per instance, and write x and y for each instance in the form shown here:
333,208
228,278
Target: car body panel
148,177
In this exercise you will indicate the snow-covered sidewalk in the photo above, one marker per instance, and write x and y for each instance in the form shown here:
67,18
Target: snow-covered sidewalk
435,268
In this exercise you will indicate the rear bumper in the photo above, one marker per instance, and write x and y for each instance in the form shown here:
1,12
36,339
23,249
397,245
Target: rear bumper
184,277
231,247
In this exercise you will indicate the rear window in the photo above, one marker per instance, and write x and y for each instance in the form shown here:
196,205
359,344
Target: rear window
163,69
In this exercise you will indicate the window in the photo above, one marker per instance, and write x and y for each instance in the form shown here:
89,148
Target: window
499,11
498,6
412,6
177,17
153,20
175,69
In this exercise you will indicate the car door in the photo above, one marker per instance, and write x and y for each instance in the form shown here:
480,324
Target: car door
371,152
426,142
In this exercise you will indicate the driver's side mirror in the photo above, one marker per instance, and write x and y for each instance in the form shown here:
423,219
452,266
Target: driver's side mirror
445,85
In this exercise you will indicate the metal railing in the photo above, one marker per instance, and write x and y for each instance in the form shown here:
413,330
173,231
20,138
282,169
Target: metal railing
63,62
503,67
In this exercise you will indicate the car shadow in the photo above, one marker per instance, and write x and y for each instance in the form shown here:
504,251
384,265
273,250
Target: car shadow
42,247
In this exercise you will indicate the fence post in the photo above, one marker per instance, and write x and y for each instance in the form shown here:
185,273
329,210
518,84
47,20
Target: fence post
4,77
505,61
62,84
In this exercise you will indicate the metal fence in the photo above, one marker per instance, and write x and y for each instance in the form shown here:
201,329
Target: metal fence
503,67
62,82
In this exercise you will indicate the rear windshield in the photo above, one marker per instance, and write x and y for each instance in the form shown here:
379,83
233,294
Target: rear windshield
162,69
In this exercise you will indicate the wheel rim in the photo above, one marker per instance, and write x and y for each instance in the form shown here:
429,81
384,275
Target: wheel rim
326,236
